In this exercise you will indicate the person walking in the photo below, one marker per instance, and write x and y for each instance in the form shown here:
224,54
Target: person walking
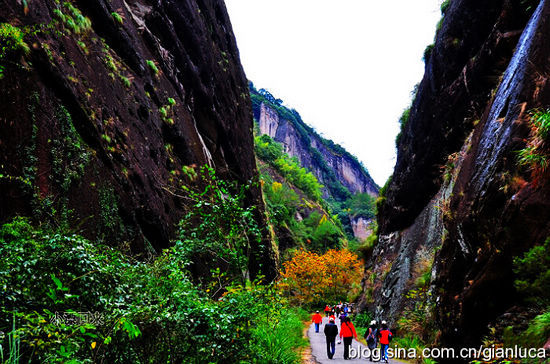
385,337
317,319
347,332
371,336
327,309
331,331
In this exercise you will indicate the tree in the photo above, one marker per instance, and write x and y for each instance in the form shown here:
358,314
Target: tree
313,279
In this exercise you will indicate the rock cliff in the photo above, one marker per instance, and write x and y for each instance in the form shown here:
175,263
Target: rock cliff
340,172
460,205
108,107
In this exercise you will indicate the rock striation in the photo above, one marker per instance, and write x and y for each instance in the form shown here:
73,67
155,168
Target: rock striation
332,165
110,105
458,196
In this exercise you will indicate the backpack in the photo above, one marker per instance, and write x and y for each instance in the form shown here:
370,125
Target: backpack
369,336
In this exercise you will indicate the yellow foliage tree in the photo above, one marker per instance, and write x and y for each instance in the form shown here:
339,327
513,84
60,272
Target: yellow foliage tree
313,279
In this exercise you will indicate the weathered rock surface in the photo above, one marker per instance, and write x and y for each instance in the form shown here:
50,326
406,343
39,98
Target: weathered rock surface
98,120
457,183
362,227
316,155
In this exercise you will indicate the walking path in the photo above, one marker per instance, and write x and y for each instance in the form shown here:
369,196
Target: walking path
319,347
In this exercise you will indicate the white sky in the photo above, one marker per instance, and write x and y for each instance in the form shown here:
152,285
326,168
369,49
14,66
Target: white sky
348,66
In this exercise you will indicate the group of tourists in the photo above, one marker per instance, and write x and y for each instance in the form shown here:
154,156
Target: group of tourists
374,335
339,309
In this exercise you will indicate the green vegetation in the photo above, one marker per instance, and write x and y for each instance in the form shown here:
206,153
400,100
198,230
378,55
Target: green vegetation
72,19
428,52
403,120
361,204
144,311
117,18
11,43
381,200
271,152
125,81
305,132
537,332
317,232
532,271
367,248
445,6
167,112
536,154
219,229
533,274
152,66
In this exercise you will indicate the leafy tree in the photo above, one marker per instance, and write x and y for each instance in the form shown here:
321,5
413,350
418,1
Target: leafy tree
313,279
533,273
362,204
219,230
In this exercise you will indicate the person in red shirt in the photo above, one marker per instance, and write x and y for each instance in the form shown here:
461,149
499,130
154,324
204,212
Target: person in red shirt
347,331
385,337
331,316
327,310
317,319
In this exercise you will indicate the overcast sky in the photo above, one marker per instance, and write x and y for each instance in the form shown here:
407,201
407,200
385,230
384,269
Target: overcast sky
348,67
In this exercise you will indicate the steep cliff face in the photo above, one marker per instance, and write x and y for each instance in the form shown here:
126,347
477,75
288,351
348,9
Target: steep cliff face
332,167
362,227
108,107
459,201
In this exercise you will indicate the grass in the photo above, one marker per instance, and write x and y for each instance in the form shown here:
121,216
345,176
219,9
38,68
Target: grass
282,341
14,346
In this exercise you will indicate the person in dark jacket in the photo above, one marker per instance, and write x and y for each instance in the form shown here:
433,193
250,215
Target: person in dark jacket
331,331
371,336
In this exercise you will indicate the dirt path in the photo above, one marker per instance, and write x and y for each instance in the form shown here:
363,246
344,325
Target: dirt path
319,347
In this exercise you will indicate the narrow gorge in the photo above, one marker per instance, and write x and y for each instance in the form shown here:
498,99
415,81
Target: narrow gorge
157,207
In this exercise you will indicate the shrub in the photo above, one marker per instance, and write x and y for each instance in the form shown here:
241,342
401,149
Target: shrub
149,311
538,331
11,43
536,155
219,231
362,319
367,248
403,120
11,40
533,273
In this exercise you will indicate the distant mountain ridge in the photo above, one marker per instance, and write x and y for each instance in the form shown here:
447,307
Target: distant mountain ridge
338,170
